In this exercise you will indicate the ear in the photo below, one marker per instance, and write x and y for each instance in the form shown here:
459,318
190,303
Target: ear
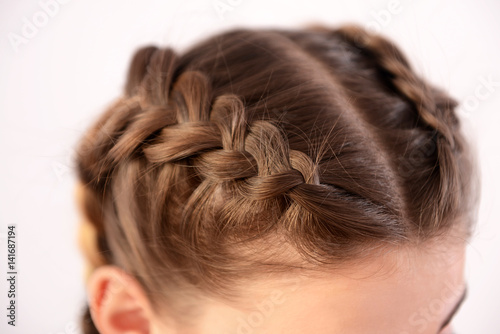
117,302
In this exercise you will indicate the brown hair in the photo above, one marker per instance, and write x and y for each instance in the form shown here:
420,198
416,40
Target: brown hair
321,140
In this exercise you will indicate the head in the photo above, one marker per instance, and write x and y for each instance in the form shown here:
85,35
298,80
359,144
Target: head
268,181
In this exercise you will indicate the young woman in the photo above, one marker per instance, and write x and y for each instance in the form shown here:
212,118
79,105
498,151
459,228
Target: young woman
276,181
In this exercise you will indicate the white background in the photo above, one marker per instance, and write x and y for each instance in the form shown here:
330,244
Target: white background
63,75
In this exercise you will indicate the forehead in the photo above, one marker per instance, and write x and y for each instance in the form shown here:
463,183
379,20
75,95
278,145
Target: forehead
403,291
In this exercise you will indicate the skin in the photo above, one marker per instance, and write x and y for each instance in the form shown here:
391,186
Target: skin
414,289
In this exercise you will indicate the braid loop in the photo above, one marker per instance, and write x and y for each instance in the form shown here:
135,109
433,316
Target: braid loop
196,137
158,77
138,69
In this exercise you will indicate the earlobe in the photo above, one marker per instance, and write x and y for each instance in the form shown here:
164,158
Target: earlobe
117,302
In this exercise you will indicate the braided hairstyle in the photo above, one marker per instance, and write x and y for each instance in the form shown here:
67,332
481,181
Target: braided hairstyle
265,150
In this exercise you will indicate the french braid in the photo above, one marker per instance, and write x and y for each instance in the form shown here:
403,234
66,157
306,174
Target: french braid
185,172
445,144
